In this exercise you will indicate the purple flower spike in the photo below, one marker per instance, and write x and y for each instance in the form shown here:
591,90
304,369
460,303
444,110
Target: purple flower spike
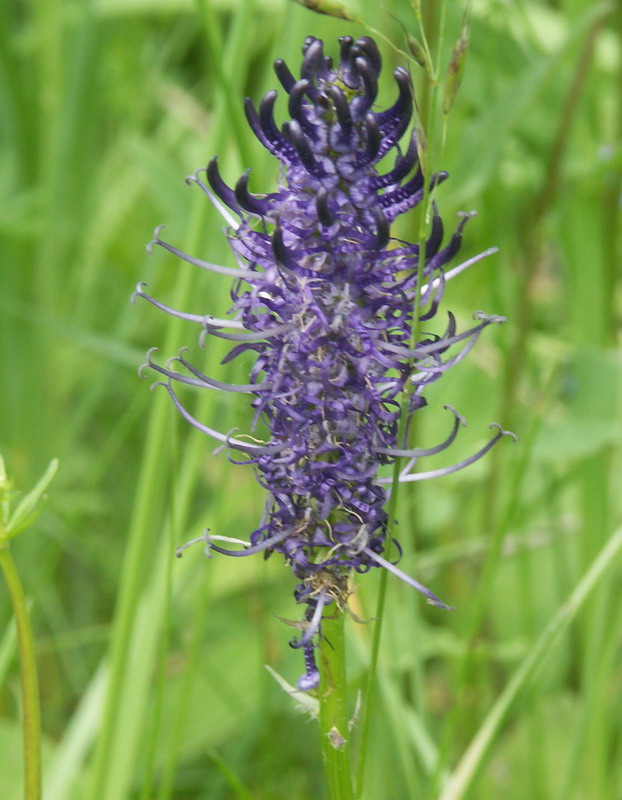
326,300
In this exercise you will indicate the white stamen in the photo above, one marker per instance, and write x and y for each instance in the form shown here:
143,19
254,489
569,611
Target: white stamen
460,268
220,207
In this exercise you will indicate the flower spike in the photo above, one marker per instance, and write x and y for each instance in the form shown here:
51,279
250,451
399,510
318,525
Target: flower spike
326,300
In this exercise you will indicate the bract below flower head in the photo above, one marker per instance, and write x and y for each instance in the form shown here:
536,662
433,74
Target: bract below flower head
326,300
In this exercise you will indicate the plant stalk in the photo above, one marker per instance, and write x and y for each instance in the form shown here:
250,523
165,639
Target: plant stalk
334,729
29,678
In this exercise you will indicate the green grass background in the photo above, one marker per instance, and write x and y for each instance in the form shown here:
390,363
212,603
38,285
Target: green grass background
152,669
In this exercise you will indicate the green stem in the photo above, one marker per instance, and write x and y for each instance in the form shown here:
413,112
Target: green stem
30,681
334,730
427,113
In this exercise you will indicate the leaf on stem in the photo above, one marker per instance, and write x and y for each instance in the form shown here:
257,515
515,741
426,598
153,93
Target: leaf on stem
29,507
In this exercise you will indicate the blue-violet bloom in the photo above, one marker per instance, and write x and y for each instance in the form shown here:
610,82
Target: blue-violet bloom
326,299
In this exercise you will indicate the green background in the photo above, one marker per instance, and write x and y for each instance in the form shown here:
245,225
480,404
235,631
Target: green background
152,669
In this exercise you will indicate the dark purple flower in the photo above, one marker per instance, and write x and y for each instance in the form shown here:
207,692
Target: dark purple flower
325,298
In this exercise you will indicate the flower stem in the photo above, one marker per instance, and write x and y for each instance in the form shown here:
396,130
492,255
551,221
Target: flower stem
30,682
334,710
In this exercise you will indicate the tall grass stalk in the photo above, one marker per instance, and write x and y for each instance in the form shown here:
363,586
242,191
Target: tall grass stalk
433,39
471,762
14,519
31,711
152,484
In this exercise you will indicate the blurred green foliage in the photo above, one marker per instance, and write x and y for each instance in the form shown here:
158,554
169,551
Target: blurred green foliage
152,676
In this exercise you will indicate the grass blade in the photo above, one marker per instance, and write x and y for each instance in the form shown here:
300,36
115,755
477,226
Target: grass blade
465,773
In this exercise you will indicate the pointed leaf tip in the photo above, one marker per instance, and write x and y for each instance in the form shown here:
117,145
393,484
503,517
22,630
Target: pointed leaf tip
330,8
28,508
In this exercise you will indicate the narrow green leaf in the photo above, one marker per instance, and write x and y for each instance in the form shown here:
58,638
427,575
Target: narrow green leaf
463,776
305,701
69,761
27,510
233,782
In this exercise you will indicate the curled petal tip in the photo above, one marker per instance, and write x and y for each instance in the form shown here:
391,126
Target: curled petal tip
156,238
284,74
196,175
458,416
503,432
404,84
370,48
493,319
368,76
150,352
138,291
